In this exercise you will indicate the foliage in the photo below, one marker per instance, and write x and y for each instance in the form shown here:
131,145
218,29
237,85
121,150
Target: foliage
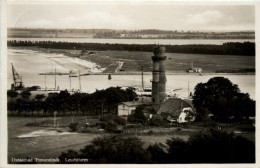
117,119
223,99
110,125
71,154
39,97
220,147
156,121
26,94
138,116
12,93
73,127
113,149
158,155
65,103
210,146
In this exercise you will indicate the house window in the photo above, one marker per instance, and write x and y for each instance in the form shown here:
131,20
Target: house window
153,99
180,118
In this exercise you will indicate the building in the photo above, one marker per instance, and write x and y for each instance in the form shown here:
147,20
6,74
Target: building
194,70
127,108
177,110
159,78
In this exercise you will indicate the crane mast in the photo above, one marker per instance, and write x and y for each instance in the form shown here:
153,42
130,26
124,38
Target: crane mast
18,83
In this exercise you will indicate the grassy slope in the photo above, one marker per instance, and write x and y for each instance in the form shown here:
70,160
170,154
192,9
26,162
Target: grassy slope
52,146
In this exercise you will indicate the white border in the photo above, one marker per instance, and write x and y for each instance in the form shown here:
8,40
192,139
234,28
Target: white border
3,115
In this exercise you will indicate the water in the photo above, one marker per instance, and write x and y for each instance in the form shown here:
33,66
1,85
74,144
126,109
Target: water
29,63
137,41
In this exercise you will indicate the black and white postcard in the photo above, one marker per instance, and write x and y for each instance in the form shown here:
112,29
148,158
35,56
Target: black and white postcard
166,83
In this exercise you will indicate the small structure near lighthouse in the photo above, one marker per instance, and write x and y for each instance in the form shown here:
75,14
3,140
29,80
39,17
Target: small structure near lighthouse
159,78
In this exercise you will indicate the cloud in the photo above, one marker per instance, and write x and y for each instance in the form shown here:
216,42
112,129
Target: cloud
115,16
208,18
95,19
37,23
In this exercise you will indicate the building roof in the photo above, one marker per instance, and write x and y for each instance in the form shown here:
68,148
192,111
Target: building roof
135,103
173,106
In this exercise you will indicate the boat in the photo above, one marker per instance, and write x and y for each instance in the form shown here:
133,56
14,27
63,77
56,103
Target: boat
109,77
194,69
177,89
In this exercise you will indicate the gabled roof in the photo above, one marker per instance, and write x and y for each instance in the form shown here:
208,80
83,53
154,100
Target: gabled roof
173,107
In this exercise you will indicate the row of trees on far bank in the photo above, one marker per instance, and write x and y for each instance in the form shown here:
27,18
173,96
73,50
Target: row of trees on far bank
101,101
231,48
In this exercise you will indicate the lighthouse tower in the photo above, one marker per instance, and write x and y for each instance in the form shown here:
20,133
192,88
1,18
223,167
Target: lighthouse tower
159,78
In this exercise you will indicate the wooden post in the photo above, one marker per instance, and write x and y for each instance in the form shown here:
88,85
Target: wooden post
54,119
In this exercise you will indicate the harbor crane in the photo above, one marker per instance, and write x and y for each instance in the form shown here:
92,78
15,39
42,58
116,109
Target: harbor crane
18,82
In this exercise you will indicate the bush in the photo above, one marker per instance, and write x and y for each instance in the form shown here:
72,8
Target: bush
71,154
211,146
138,116
158,154
206,147
157,121
112,149
73,127
110,125
117,119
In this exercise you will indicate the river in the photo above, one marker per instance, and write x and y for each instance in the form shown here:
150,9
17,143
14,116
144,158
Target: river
30,63
137,41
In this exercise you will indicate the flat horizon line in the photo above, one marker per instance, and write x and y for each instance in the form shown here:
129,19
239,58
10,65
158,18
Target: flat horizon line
178,30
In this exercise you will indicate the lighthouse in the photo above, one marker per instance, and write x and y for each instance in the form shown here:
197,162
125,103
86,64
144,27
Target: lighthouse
159,78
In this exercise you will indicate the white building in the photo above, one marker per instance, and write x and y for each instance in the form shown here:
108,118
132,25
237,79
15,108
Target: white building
127,108
195,70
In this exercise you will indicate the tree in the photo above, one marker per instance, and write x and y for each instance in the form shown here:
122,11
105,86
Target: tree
12,105
26,95
220,97
39,97
138,116
39,104
158,155
12,94
113,149
156,120
220,147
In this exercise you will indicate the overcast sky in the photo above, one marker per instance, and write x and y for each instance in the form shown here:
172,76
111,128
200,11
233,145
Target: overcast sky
132,15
